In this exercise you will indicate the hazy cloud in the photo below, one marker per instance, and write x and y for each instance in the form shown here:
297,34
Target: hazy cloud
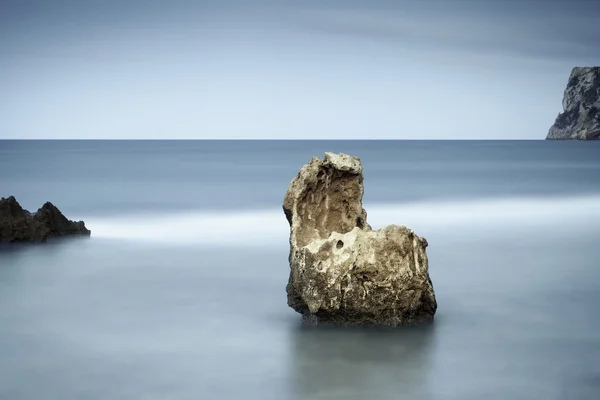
553,36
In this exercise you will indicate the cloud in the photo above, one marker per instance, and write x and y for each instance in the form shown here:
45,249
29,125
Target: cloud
555,36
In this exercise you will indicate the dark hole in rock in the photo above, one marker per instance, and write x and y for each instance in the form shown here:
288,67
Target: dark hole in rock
339,244
360,223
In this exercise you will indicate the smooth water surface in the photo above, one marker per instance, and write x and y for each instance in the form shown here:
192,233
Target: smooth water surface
180,291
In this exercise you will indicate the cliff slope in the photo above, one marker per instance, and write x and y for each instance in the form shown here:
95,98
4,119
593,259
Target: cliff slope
581,103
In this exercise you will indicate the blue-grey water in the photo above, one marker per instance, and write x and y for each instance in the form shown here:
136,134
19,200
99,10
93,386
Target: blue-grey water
180,291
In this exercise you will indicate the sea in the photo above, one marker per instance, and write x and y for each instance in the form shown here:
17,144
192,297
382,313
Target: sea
179,293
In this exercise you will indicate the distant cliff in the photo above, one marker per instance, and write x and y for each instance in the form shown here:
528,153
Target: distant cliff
581,103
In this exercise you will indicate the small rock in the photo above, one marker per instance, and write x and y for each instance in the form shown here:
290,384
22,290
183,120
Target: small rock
19,225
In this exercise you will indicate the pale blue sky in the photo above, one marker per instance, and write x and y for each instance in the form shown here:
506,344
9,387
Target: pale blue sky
308,69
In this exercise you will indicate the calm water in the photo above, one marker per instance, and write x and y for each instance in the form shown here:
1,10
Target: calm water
180,291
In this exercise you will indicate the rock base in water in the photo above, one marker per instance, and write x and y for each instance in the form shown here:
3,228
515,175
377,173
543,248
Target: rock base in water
341,271
19,225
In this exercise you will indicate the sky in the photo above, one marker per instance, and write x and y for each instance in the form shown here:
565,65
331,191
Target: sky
266,69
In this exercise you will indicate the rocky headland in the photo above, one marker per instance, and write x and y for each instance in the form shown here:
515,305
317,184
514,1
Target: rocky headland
343,272
581,103
19,225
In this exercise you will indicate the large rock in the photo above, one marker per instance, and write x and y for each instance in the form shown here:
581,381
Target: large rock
342,271
19,225
581,103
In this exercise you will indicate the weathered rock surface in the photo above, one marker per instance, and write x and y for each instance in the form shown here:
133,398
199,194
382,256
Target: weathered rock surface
581,103
341,271
19,225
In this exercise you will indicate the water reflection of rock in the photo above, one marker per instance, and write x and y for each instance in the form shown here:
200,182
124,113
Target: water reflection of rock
361,363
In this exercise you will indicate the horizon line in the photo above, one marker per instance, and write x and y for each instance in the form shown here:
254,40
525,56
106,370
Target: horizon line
273,139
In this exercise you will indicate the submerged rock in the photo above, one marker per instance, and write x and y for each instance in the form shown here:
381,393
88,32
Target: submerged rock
341,271
19,225
581,103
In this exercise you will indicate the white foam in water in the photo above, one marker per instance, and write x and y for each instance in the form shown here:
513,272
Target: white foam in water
269,227
226,228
